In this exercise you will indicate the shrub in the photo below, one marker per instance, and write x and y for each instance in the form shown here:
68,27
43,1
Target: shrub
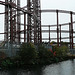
2,55
28,53
6,63
61,51
45,55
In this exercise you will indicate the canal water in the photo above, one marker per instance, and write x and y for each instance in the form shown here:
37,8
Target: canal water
61,68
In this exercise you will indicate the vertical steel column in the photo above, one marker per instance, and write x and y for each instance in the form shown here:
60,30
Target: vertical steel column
40,32
6,23
24,27
39,17
30,29
38,21
60,35
57,29
49,34
70,34
11,24
71,29
31,20
28,21
14,29
35,19
18,22
13,20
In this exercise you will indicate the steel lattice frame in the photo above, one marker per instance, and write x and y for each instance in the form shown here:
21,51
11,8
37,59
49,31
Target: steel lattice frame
12,29
58,30
32,23
10,21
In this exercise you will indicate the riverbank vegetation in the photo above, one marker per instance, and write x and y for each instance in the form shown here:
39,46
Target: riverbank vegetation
30,55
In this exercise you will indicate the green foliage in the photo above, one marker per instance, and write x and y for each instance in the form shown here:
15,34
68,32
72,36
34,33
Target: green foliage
2,55
44,54
61,51
53,42
28,53
7,63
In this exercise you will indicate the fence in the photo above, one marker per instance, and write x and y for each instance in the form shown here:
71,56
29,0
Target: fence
72,51
10,50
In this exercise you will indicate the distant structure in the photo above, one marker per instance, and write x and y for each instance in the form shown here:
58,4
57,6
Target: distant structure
24,23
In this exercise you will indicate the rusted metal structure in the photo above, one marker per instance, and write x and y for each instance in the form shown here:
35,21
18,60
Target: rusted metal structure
32,28
71,30
34,21
31,24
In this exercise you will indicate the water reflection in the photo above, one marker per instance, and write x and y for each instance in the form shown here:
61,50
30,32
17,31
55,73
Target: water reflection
62,68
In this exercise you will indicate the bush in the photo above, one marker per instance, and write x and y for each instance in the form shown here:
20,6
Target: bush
61,51
28,53
45,55
6,63
2,55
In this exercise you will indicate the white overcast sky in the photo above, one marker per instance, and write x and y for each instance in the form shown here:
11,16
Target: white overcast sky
47,18
58,4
